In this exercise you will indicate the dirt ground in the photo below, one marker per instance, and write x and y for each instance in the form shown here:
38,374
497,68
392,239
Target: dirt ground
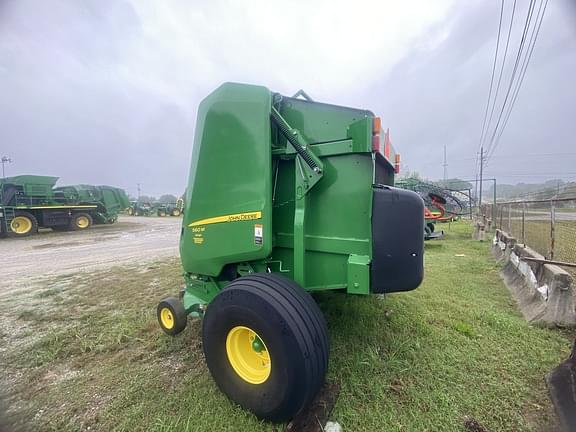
131,240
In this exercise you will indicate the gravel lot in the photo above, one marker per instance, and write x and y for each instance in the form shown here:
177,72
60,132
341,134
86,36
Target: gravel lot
130,240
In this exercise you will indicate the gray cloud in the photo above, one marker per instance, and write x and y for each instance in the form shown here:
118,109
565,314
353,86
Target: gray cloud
106,91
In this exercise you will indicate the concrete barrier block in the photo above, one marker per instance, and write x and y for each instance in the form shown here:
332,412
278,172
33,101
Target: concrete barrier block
479,231
502,245
544,292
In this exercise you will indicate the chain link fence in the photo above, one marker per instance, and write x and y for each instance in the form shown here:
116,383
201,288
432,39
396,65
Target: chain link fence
547,226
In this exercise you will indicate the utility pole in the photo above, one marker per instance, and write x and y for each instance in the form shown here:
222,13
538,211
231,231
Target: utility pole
138,188
5,160
481,173
445,166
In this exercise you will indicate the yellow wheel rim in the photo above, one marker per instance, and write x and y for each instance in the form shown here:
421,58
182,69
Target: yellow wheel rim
167,318
82,222
21,225
176,212
248,355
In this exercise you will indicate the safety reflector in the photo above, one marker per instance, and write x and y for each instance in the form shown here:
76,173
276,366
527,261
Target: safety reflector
376,125
376,143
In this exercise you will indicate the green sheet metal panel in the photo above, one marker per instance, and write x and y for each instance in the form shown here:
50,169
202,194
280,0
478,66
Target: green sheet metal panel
228,217
337,219
33,185
321,122
114,199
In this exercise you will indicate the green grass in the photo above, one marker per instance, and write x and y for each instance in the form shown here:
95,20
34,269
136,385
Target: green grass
88,353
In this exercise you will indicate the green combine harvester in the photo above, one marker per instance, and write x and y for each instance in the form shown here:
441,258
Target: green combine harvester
286,197
29,202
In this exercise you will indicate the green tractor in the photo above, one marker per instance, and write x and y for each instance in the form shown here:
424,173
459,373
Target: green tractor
169,209
175,209
158,209
137,208
286,197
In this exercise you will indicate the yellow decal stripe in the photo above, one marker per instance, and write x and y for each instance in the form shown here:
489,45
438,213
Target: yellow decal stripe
228,218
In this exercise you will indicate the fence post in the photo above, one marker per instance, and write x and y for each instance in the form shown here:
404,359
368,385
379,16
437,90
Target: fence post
509,220
552,228
470,202
523,223
501,215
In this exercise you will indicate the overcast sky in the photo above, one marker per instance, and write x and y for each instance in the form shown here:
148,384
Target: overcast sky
105,91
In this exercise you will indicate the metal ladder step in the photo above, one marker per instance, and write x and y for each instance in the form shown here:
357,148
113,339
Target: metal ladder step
9,215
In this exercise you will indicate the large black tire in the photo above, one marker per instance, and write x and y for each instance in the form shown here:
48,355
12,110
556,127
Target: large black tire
171,316
292,335
80,222
431,226
175,212
24,224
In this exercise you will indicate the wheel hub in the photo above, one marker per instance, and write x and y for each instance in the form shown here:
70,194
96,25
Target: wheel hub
248,355
82,222
167,318
21,225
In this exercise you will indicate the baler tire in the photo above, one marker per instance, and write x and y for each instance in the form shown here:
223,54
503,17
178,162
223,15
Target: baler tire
171,316
175,212
80,222
30,220
290,329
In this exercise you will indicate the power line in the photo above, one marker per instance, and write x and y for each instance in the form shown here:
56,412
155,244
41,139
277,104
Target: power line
495,95
493,72
501,69
445,164
554,175
524,68
517,156
514,71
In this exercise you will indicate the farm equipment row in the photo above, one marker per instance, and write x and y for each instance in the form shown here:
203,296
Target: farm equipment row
155,209
29,202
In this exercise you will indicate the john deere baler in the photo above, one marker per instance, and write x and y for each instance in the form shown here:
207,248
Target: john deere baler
286,196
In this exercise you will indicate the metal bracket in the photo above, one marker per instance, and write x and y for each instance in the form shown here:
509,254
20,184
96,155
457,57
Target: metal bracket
245,269
308,171
358,274
309,167
303,94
